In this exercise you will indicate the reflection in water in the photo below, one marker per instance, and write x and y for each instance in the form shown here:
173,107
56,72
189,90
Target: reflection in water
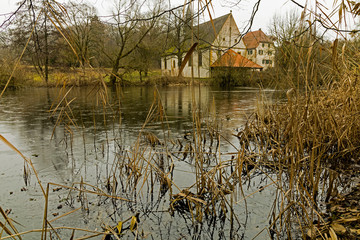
103,134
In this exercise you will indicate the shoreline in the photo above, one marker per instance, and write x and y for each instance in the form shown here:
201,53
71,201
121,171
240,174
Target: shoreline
26,76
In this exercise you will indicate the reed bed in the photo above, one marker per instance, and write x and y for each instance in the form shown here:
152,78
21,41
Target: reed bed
312,141
301,148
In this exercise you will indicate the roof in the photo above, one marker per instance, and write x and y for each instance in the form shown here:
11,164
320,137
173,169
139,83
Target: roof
253,39
233,59
206,29
207,35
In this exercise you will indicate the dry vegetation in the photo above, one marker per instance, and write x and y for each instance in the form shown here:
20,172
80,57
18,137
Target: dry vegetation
306,146
313,143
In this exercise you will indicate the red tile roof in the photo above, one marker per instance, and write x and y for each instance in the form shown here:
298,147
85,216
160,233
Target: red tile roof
253,39
233,59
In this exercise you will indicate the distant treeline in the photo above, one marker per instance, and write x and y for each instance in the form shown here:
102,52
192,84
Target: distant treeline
48,35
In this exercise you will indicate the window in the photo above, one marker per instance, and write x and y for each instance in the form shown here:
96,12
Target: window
261,52
266,61
263,45
190,61
250,52
165,64
173,64
200,58
224,39
269,45
235,41
270,53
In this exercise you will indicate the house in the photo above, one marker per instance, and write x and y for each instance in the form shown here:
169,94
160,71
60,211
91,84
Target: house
259,48
216,39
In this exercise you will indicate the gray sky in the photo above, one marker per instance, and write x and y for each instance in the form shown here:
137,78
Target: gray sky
241,9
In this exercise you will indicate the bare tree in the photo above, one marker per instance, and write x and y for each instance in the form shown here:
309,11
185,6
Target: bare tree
285,27
148,53
180,32
302,55
32,21
125,35
82,24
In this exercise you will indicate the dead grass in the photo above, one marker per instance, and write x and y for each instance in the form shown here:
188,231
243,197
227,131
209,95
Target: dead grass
303,146
311,140
299,145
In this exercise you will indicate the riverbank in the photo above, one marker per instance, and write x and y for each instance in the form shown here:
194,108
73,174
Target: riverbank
27,76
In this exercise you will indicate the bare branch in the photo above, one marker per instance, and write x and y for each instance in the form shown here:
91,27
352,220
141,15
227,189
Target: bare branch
9,19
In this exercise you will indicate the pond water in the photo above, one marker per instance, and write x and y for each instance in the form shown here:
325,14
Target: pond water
82,140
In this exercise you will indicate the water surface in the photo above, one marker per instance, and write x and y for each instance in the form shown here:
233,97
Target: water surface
65,152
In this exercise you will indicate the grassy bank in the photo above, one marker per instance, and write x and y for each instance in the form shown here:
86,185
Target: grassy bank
27,76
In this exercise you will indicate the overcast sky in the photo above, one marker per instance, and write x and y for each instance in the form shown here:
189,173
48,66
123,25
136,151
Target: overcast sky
241,9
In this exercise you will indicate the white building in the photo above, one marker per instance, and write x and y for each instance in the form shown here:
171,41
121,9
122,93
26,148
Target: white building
215,39
260,48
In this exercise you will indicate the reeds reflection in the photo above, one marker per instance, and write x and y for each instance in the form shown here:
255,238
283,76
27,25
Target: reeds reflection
147,151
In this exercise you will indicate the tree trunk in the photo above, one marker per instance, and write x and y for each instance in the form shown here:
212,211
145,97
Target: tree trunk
115,68
179,57
113,75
